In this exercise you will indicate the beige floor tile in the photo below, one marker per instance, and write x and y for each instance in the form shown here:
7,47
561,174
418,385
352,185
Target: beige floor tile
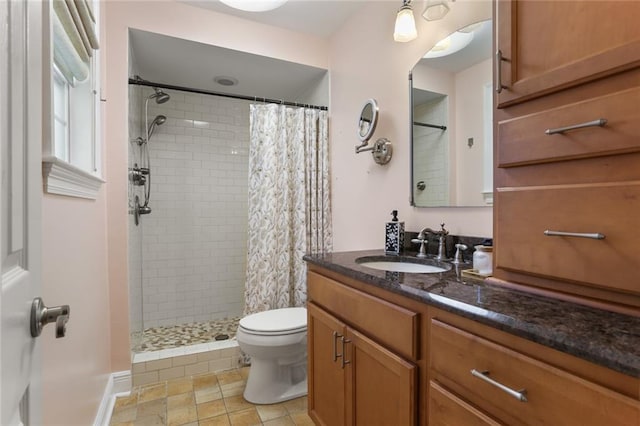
216,421
211,409
244,372
296,405
247,417
125,414
282,421
123,424
228,377
208,394
302,419
152,420
182,415
152,408
204,381
270,412
178,386
126,401
149,393
182,400
232,389
236,403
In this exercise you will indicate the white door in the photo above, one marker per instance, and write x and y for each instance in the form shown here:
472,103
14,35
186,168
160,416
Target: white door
20,193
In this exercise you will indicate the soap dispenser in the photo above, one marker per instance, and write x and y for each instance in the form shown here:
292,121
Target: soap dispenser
394,235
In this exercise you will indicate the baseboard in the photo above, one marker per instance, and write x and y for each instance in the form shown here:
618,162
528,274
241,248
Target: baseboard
119,383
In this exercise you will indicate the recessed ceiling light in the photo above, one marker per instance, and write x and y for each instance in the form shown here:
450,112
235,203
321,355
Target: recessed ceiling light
225,81
254,5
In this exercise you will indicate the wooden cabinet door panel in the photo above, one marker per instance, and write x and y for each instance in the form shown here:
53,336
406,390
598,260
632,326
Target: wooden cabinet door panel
553,396
610,209
446,409
552,45
381,385
326,376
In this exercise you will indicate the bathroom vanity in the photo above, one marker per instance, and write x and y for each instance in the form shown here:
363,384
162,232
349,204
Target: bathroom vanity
390,348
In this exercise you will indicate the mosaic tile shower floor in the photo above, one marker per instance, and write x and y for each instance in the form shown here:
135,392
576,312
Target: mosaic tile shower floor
167,337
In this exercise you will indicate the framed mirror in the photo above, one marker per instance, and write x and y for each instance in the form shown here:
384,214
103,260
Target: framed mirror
452,121
368,120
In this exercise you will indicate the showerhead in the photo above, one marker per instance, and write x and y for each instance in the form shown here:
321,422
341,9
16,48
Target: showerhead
159,120
160,96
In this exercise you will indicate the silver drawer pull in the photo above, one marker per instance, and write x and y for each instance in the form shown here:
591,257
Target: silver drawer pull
499,59
520,395
593,236
600,122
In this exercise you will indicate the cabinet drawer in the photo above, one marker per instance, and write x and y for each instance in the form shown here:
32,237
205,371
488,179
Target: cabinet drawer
523,140
388,324
553,396
446,409
610,209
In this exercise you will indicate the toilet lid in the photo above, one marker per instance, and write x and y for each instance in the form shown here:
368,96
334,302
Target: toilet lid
276,320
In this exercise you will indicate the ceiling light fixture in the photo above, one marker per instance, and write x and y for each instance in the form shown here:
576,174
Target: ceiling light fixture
254,5
225,81
435,10
405,29
449,45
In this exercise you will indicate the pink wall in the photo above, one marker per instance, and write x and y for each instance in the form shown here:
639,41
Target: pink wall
74,271
183,21
365,63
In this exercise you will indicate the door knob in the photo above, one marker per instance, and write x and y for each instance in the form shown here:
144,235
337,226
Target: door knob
41,316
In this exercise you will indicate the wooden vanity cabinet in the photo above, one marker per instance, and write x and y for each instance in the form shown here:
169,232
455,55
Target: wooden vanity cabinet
547,46
354,376
480,376
567,64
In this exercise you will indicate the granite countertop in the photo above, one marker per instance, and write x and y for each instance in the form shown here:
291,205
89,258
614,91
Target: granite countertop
604,338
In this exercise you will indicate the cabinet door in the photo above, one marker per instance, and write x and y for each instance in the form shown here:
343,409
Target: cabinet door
326,373
380,384
551,45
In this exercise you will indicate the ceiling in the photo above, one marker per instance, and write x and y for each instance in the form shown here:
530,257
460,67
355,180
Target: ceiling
172,61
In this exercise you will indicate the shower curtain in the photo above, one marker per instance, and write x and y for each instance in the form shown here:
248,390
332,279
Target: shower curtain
289,211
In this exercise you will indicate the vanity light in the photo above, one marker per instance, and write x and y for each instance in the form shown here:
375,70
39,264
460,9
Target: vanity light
435,10
254,5
405,29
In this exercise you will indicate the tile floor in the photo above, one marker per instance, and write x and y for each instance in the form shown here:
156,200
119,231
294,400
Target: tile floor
167,337
205,400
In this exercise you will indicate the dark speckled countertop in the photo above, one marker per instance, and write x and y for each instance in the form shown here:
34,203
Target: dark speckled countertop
605,338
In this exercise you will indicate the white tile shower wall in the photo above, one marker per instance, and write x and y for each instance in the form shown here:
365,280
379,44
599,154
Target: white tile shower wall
195,239
135,232
430,150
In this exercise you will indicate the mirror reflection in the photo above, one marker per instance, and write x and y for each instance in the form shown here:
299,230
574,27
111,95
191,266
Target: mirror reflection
368,120
451,121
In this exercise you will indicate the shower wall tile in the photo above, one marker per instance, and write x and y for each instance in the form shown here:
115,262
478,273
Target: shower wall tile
194,241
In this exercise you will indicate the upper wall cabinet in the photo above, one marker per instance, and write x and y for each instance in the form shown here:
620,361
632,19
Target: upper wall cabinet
546,46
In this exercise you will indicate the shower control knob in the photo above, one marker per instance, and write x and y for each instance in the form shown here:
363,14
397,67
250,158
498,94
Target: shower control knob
41,316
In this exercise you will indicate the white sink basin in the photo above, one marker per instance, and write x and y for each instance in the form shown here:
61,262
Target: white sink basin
403,266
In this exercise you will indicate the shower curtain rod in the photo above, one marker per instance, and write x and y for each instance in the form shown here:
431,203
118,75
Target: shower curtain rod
435,126
141,82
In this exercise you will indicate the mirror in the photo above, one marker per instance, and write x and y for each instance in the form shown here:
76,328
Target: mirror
452,121
367,121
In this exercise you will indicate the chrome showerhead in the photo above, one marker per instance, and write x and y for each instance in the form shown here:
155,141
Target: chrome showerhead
160,96
159,120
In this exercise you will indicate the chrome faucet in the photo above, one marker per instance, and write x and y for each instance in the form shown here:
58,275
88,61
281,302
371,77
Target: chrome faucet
442,244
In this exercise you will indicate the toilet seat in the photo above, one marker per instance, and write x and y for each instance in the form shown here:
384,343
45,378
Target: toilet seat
275,322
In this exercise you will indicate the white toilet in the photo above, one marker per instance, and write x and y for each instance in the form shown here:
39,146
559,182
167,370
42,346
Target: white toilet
276,341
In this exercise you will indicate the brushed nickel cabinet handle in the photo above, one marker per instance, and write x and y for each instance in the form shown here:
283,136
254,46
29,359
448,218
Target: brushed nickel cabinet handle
520,395
593,236
499,59
600,122
343,360
336,355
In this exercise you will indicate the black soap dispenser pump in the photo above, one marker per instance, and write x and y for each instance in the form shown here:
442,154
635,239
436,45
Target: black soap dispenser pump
394,235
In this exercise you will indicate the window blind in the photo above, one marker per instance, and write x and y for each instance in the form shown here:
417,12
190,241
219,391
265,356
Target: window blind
74,38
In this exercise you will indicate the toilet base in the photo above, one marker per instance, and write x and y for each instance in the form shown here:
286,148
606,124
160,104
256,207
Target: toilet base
270,383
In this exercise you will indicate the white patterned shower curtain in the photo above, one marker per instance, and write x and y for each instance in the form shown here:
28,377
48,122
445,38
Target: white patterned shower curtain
289,209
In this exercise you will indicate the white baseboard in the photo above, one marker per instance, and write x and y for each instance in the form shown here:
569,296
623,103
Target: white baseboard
119,384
